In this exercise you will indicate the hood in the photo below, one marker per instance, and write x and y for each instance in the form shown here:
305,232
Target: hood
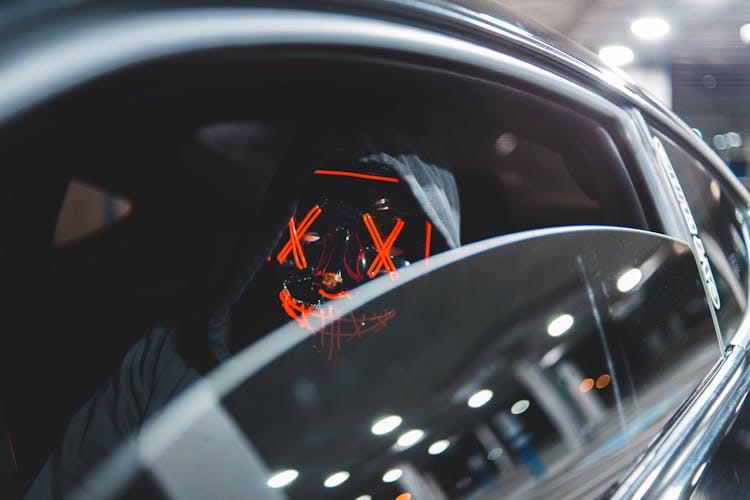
411,155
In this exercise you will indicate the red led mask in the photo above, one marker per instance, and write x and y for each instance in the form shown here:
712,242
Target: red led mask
350,228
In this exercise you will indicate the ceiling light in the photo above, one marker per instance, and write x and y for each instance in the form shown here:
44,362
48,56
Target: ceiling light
438,447
336,479
734,140
603,381
283,478
506,144
629,279
586,385
616,55
715,190
363,497
480,398
410,438
649,28
520,406
560,325
385,425
392,475
745,33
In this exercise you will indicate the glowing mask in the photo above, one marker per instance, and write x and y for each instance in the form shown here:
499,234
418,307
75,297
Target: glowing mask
350,228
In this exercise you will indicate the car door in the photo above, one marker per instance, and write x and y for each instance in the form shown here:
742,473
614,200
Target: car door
532,147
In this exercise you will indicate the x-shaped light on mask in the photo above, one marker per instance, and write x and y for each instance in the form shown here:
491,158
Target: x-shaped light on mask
295,234
383,247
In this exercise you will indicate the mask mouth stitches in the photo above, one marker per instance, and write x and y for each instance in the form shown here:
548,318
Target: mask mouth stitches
333,296
323,320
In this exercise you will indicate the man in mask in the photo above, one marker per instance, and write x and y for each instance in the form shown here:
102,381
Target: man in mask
347,207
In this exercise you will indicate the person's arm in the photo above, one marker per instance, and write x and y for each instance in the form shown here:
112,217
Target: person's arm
151,373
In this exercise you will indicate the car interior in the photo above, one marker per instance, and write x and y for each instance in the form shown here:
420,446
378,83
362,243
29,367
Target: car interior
178,156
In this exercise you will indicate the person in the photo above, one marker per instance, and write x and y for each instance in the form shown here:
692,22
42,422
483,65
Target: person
347,206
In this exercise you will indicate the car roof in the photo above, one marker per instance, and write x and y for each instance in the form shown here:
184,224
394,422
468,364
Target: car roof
486,23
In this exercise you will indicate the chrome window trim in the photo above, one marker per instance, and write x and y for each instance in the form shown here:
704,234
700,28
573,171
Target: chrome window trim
742,336
672,464
657,181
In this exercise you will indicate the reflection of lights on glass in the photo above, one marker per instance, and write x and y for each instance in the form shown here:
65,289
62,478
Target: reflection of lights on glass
727,141
336,479
506,144
603,381
745,33
715,190
520,406
552,356
392,475
698,132
709,81
560,325
438,447
680,248
494,454
616,55
283,478
649,28
410,438
403,496
586,385
734,140
698,474
480,398
363,497
385,425
740,403
629,279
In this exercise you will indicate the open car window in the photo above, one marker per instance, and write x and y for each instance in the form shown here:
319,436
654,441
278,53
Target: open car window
484,385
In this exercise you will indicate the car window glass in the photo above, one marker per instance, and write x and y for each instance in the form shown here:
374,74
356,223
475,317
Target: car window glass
85,210
511,183
538,380
719,220
205,196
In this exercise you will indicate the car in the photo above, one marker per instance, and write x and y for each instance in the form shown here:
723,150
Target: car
588,338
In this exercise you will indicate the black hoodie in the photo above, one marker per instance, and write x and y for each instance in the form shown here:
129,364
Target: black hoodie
171,358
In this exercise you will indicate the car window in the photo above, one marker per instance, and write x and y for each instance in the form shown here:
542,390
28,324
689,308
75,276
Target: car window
720,226
200,183
485,385
511,182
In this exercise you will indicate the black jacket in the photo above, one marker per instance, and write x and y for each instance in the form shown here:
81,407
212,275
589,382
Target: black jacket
171,358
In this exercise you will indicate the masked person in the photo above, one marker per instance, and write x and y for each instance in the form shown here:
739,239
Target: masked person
345,208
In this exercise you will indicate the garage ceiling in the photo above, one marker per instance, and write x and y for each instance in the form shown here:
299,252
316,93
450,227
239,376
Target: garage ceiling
702,31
